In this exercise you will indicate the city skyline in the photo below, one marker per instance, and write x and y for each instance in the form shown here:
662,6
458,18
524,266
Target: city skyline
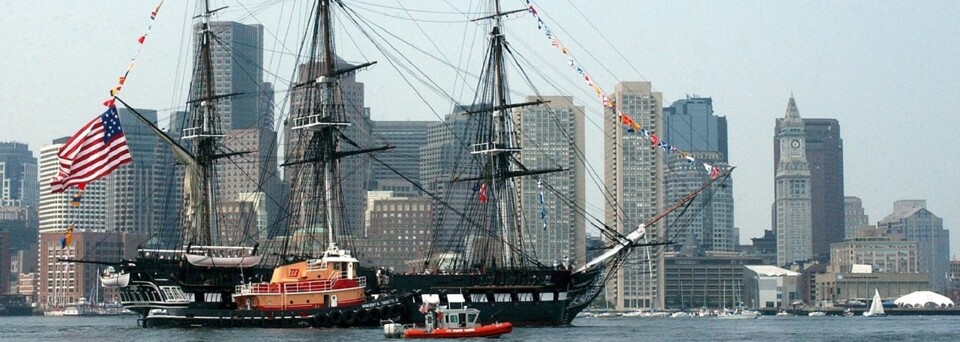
876,69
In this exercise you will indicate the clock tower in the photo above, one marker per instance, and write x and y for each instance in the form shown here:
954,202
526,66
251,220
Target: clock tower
792,191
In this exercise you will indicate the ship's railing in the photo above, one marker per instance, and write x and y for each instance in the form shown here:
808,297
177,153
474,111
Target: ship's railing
311,286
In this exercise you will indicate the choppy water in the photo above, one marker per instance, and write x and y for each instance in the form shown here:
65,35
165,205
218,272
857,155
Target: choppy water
767,328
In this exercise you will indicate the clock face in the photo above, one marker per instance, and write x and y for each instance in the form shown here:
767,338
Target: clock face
795,143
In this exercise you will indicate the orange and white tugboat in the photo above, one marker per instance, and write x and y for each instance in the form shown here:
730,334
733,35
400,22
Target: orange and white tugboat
330,281
441,322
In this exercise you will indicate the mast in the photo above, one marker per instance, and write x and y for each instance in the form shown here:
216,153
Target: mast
318,122
205,134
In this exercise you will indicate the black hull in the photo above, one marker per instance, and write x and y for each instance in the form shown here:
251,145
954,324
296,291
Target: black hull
16,311
14,305
366,315
526,297
175,284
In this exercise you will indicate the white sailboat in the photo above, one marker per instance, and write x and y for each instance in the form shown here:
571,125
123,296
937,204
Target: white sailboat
876,306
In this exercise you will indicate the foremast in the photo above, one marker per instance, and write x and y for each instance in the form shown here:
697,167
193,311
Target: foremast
200,177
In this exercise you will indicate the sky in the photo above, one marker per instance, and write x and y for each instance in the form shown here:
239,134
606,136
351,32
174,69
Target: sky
887,70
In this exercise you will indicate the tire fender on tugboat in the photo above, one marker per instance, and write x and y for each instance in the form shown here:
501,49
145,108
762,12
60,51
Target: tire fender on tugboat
348,318
334,317
320,320
362,316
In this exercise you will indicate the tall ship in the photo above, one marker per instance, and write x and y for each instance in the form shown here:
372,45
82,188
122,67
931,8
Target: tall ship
491,268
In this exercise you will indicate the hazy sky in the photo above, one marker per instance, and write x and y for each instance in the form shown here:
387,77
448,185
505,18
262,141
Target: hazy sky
889,71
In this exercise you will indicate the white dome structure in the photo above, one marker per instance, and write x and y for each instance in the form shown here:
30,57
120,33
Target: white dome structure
924,300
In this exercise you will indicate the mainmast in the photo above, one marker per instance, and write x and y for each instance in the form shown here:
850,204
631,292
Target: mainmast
318,128
497,146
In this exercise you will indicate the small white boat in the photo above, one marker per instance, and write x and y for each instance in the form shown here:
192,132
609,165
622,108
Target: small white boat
783,313
220,256
740,313
817,314
111,278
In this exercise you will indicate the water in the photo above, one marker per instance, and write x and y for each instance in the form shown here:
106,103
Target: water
767,328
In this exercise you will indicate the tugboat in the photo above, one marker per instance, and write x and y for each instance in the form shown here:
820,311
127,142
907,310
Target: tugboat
322,292
441,322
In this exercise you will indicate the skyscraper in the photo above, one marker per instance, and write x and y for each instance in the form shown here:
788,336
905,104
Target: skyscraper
407,137
853,216
447,147
237,59
633,173
912,221
792,190
55,211
824,152
692,127
553,137
18,176
251,177
131,202
248,183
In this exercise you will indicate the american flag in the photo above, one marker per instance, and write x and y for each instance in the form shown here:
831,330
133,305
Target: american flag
92,153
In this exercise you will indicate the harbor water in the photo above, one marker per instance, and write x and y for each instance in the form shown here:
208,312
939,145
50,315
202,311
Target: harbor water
766,328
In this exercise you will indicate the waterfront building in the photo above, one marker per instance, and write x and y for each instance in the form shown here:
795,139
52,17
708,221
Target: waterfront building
839,288
546,131
792,189
65,282
883,254
633,174
4,262
911,221
854,217
769,287
27,286
713,280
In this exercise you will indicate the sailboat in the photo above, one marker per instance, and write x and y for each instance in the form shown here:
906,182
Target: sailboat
876,306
